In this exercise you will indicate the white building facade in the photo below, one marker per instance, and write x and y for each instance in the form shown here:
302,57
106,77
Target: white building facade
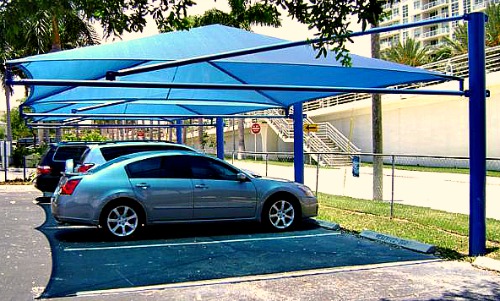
410,11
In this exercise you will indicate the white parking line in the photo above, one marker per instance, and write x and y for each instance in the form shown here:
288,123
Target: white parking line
200,242
275,276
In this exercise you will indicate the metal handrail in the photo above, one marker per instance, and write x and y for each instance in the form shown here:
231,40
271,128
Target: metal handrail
457,66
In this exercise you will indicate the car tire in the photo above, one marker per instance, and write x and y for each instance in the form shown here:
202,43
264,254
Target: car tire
121,220
280,214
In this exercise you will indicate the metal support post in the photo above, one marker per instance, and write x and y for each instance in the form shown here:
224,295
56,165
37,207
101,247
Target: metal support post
477,133
298,143
178,130
220,137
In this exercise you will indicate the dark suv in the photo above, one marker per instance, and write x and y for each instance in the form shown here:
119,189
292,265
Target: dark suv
53,162
86,155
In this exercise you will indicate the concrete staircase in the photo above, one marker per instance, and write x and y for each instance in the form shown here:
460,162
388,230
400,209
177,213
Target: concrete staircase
329,146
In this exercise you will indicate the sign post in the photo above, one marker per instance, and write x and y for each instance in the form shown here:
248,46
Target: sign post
255,130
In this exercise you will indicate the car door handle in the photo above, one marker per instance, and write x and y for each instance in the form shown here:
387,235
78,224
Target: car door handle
201,186
142,185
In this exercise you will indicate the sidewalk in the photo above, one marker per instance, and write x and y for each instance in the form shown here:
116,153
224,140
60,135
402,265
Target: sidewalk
441,191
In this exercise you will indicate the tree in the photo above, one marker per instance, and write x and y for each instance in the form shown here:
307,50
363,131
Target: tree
330,18
377,132
454,46
243,14
410,53
493,24
459,43
36,27
18,126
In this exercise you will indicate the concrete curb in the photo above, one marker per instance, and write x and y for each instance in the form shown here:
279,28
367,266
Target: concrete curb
487,263
327,225
404,243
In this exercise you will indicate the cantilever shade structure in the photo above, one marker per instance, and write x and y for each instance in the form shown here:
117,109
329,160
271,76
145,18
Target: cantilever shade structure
295,66
202,82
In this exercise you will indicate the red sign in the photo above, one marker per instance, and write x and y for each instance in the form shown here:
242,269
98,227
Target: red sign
255,128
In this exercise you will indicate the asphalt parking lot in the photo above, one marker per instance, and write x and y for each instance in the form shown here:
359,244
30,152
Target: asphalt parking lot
217,262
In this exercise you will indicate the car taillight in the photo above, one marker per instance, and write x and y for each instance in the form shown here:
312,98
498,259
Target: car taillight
43,170
69,186
85,167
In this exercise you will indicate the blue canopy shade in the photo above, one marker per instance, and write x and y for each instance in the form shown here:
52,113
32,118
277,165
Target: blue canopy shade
295,66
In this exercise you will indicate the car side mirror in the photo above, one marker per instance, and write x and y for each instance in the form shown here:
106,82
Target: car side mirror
241,177
70,166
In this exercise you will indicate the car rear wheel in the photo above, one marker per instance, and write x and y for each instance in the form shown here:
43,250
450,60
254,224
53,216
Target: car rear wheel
121,221
280,214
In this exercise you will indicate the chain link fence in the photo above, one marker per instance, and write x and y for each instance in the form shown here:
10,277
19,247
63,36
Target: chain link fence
437,182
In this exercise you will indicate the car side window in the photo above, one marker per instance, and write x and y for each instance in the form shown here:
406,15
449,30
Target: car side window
207,168
177,167
148,168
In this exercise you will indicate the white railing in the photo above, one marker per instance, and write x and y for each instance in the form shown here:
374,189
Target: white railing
433,4
435,32
438,16
457,66
338,138
314,142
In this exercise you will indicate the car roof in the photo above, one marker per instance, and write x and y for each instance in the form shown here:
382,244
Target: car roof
156,153
137,142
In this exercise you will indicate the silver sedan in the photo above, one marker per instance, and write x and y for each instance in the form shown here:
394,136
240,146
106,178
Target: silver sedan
129,192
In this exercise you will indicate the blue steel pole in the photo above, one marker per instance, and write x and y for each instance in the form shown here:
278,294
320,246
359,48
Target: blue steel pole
298,143
178,130
219,132
477,133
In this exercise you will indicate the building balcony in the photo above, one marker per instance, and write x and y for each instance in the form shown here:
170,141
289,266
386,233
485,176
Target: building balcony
438,16
436,33
435,4
388,34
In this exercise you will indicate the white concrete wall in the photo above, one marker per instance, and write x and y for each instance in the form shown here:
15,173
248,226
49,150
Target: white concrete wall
423,125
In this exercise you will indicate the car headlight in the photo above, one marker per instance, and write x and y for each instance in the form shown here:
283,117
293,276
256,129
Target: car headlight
306,190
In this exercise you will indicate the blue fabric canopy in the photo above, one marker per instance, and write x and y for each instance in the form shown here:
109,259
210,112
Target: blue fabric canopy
296,66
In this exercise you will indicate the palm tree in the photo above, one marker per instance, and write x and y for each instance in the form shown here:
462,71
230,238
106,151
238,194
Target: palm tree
377,130
459,43
493,24
243,14
39,28
455,46
410,53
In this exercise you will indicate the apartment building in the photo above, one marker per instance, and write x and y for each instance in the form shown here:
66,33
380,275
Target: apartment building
410,11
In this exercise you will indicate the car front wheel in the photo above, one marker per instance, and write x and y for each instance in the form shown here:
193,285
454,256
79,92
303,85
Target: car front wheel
121,221
280,214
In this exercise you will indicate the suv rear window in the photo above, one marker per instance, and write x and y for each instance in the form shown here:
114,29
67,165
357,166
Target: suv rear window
109,153
64,153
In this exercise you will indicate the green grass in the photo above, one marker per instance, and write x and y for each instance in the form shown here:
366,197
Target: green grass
489,173
447,231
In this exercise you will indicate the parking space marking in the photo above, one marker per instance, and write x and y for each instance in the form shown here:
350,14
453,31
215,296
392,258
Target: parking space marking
201,242
59,227
273,276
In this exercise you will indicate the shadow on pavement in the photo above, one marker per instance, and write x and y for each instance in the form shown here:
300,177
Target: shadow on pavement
84,259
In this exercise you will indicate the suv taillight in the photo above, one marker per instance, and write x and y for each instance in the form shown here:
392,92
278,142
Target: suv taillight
43,170
85,167
69,186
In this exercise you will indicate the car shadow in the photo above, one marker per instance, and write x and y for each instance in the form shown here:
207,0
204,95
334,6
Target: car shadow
84,259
